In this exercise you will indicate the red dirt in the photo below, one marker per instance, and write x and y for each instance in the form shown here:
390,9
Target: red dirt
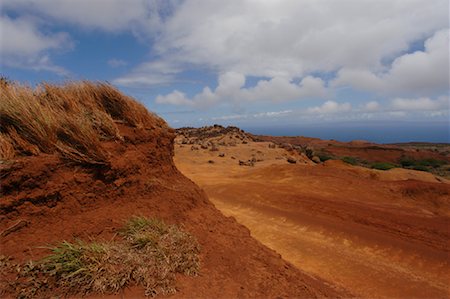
378,234
370,152
59,201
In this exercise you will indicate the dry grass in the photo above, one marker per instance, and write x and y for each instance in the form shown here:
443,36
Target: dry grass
150,255
70,119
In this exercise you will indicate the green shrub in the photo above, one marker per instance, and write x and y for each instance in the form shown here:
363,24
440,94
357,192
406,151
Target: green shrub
350,160
383,166
422,164
324,157
421,168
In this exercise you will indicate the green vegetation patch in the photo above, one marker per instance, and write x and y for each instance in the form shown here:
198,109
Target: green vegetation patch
429,162
324,156
383,166
150,254
422,165
350,160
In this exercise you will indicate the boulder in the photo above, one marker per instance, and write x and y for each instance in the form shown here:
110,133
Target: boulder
315,159
291,160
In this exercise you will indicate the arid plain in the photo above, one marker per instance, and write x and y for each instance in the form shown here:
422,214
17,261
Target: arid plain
375,233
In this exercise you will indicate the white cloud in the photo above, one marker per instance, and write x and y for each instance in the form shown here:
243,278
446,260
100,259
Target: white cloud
23,46
116,62
174,98
273,113
371,106
293,38
106,15
330,107
205,99
420,104
287,40
422,72
231,89
283,41
157,72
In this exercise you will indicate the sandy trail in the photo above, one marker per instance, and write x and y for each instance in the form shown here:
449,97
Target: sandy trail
360,229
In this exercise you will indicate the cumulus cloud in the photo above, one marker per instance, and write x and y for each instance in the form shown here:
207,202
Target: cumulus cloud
420,72
22,45
25,44
241,39
231,89
330,107
259,40
292,44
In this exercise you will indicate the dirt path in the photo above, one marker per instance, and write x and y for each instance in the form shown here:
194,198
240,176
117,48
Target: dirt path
377,238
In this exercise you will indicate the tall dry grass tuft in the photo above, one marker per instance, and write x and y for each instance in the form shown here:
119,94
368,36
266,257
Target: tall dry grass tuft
70,119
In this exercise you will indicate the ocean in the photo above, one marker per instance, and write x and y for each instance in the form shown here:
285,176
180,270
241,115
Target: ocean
378,132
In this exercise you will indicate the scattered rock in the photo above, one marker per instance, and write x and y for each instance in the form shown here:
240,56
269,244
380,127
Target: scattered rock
291,160
272,145
232,157
204,146
315,159
246,163
287,146
211,161
222,155
15,227
214,148
194,148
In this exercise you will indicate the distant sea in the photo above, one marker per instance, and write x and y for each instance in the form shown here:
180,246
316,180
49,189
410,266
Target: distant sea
378,132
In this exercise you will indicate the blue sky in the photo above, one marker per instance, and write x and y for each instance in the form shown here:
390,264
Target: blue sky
248,63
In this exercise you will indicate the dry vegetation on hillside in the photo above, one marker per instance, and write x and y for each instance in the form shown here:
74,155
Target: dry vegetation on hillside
70,119
150,254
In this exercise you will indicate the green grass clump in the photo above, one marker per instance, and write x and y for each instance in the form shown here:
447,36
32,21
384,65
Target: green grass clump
383,166
324,157
150,254
350,160
428,164
420,168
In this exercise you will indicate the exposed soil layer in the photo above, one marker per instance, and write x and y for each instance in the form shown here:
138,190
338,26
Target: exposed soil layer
378,234
45,201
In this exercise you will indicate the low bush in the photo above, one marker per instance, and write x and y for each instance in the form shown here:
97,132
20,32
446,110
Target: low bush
420,168
324,157
423,164
383,166
350,160
150,255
